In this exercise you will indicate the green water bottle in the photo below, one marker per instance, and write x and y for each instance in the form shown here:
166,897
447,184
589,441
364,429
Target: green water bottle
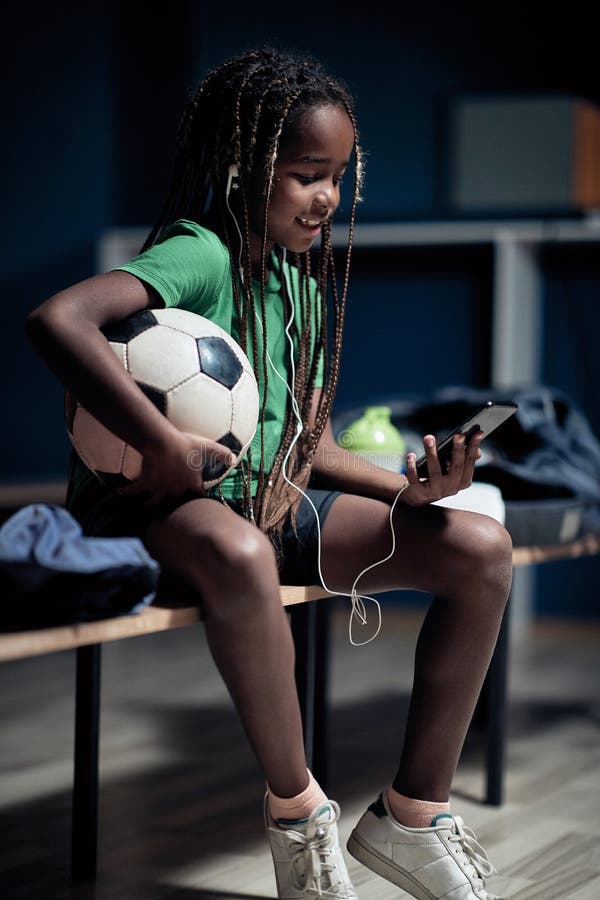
375,437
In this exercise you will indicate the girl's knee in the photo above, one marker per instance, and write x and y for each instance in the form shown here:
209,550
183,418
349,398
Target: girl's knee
214,554
490,555
483,552
237,570
248,557
491,541
242,581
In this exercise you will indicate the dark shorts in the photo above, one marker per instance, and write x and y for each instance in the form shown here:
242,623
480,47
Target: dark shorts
104,513
300,553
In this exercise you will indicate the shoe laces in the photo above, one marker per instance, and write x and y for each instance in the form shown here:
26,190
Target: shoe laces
475,859
311,867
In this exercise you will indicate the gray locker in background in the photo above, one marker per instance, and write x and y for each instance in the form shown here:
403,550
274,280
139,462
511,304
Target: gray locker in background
523,153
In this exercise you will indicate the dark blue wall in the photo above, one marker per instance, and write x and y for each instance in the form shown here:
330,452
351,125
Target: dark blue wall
92,98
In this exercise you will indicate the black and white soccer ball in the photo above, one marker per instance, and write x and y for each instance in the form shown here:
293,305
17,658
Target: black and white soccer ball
194,372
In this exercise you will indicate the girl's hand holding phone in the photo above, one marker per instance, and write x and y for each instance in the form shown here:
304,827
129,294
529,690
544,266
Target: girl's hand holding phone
174,467
459,474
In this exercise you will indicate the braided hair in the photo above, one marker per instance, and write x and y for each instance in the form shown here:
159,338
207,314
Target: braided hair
239,115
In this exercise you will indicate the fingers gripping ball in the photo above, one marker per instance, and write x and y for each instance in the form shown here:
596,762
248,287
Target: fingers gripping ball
194,373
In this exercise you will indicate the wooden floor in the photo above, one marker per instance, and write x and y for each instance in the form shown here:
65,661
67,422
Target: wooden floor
181,793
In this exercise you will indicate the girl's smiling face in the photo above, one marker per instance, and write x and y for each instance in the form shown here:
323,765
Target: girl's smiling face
306,184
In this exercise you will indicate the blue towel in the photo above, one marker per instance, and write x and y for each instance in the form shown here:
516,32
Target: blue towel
50,574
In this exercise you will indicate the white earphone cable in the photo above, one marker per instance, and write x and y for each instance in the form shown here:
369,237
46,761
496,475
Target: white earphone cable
358,609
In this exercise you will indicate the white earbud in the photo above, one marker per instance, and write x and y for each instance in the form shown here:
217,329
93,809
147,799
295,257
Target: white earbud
232,174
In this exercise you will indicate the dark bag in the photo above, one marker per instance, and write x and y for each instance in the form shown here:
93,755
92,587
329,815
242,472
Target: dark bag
50,574
545,459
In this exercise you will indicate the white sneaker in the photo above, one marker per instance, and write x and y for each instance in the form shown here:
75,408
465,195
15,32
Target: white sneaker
308,857
444,860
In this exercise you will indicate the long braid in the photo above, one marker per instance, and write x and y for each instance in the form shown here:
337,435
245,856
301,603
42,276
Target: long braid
238,116
249,309
339,306
271,160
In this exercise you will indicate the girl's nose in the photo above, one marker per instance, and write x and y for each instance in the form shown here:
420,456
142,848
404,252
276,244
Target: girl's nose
326,198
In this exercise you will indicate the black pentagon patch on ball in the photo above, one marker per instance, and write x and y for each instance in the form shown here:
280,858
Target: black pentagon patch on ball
218,360
158,397
212,470
123,331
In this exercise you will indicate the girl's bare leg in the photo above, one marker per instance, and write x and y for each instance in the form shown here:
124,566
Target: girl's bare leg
465,561
232,566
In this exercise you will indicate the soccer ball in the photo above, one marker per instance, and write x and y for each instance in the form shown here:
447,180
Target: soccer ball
193,371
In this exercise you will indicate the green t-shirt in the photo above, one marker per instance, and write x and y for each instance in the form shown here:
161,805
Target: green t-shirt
190,269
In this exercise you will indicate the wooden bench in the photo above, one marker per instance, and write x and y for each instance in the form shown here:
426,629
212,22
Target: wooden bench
309,622
87,639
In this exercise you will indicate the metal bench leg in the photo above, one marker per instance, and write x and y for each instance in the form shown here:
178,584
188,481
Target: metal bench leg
495,699
321,706
304,629
310,628
84,827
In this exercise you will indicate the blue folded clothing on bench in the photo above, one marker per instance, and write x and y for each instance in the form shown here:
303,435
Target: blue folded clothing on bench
51,574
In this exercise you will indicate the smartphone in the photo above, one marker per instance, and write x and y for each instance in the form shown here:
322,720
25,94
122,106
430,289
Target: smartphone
487,418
